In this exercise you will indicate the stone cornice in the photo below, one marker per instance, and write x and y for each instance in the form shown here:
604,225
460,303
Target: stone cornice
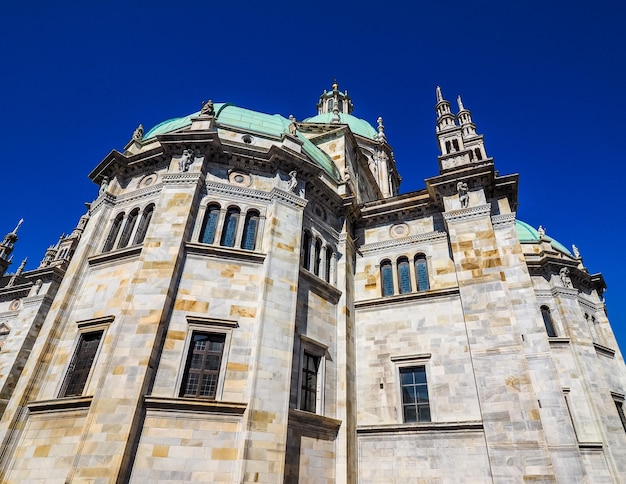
604,350
114,255
104,199
183,178
314,422
194,405
503,219
139,194
420,427
403,298
225,252
321,287
60,404
288,198
465,214
403,242
239,191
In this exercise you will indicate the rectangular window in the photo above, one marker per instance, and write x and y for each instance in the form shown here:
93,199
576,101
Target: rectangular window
81,364
203,365
415,404
309,385
620,411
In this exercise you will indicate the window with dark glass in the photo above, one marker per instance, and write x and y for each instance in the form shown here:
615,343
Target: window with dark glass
144,222
421,272
620,411
250,228
209,225
386,277
404,275
203,365
115,229
547,321
306,250
415,404
81,364
230,227
329,258
318,257
128,228
308,387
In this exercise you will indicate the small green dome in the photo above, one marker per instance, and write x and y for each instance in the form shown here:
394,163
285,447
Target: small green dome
357,125
526,233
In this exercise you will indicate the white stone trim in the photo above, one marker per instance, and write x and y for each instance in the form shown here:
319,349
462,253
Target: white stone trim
403,242
503,219
467,213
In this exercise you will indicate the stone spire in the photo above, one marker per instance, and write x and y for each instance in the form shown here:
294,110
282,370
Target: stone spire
445,118
6,248
465,119
18,273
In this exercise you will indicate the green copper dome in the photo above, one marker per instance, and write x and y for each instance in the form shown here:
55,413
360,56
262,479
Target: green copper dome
227,114
357,125
526,233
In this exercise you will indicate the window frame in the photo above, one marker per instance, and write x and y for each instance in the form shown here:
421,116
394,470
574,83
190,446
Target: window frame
202,325
114,232
232,212
403,265
100,325
403,362
386,267
252,216
143,224
316,350
548,325
211,207
420,259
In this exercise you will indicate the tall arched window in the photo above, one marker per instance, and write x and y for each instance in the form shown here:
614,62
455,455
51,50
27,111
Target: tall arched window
329,258
329,105
386,277
448,146
306,250
547,321
421,272
144,222
209,225
250,228
340,105
230,227
455,144
115,229
479,155
128,228
404,275
318,257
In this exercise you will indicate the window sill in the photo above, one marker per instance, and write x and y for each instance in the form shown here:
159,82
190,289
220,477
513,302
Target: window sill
60,404
604,351
225,252
420,427
409,296
556,341
321,287
117,254
314,422
195,405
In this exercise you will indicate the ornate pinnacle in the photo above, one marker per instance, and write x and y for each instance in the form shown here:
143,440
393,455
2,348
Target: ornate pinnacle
460,103
439,95
18,226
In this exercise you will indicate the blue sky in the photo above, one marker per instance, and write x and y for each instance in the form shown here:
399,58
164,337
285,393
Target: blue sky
544,81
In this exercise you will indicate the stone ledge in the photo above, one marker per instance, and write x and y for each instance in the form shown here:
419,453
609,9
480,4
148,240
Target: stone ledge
421,427
410,296
604,351
225,252
590,445
558,341
125,253
314,422
321,287
60,404
194,405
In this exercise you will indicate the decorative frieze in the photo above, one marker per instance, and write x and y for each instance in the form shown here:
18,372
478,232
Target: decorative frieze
403,242
467,213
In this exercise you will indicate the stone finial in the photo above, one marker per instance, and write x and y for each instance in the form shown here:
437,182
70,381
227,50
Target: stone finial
460,103
335,85
439,95
542,232
138,133
292,126
208,109
18,273
575,251
380,136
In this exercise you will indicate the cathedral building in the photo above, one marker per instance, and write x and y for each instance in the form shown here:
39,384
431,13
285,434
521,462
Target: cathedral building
251,299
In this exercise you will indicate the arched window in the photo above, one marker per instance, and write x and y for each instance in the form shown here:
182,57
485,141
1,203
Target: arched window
128,228
115,229
547,321
318,257
329,258
230,227
447,147
404,276
250,228
144,222
209,225
471,155
306,250
386,277
455,143
421,272
479,155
